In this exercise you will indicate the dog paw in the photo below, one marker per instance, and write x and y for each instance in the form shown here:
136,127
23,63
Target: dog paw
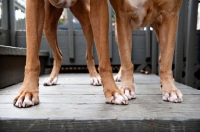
117,99
172,95
129,90
50,81
95,79
117,77
26,99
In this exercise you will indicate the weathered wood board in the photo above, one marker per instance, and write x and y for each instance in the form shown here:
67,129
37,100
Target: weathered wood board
75,105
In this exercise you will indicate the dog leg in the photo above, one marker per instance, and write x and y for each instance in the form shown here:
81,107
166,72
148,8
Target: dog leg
124,38
52,15
117,77
166,27
83,17
28,93
99,22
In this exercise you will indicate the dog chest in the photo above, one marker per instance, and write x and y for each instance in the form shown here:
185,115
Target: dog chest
138,12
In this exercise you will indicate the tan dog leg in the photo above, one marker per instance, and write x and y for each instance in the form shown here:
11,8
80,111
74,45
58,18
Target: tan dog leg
124,38
118,76
166,27
28,93
52,15
99,22
83,17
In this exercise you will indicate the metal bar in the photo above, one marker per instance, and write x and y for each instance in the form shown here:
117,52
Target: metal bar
181,34
154,60
4,27
191,42
110,29
12,22
5,19
71,36
147,33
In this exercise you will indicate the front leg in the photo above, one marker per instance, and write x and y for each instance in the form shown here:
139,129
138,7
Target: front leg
99,22
28,93
124,39
166,27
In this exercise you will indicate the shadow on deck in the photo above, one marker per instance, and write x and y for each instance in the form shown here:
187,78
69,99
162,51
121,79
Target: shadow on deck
75,105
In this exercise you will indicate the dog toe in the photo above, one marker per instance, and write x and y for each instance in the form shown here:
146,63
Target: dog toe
130,94
26,101
50,81
95,81
174,96
117,99
117,78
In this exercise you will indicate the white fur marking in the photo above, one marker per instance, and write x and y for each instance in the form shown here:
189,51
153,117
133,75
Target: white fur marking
139,10
136,3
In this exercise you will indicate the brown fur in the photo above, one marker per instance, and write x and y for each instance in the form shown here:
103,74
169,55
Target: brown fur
162,15
93,16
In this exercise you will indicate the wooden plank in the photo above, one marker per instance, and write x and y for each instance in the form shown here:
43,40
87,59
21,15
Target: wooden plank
78,107
100,99
63,89
170,111
100,125
72,78
139,48
16,51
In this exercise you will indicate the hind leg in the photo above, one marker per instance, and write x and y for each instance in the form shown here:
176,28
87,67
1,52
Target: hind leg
83,17
52,14
117,77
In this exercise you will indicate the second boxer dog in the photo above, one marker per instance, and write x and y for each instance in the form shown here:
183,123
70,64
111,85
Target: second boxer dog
162,15
93,15
52,15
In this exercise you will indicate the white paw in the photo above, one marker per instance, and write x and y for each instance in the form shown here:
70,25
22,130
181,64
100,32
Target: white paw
95,81
25,103
117,99
174,96
130,94
117,78
50,81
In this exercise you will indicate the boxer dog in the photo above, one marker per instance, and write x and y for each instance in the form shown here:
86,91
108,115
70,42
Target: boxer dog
42,15
162,15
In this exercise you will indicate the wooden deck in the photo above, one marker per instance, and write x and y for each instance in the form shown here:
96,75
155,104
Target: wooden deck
75,105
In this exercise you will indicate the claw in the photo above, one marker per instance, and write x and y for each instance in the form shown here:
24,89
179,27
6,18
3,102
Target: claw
50,81
117,99
117,78
173,96
26,100
95,81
